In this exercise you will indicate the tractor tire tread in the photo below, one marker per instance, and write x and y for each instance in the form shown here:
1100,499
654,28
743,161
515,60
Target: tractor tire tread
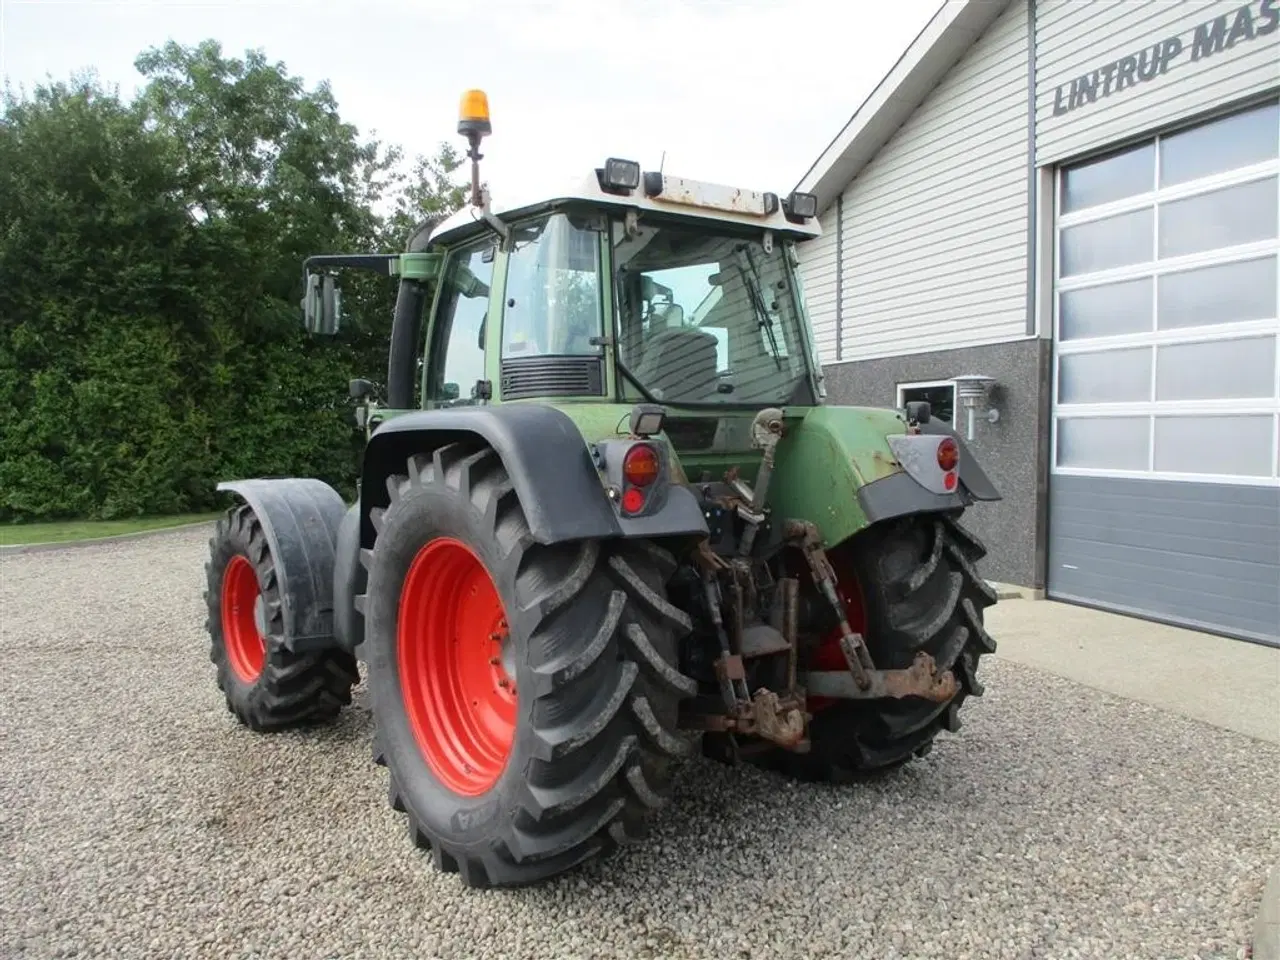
601,644
934,605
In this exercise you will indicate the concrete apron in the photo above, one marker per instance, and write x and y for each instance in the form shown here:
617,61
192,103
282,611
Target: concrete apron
1228,683
1266,931
1231,684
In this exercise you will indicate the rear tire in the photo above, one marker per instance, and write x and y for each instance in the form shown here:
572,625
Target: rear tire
266,686
916,582
570,757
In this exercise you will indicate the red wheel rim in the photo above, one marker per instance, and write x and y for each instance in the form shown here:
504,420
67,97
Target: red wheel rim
828,655
241,635
459,699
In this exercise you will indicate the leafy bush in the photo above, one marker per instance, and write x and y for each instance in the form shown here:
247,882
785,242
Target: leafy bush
151,342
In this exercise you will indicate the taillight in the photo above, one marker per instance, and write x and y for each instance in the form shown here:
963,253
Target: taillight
640,468
948,454
633,500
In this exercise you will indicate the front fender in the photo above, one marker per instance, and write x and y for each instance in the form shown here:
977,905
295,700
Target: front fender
835,468
300,519
548,460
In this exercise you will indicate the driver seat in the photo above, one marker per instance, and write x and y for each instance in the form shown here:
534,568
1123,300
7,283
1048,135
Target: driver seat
681,363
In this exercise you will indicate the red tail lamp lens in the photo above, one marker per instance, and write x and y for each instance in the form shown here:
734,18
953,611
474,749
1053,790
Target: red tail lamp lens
949,481
948,454
640,465
633,501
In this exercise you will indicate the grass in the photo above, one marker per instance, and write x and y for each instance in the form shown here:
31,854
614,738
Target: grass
66,531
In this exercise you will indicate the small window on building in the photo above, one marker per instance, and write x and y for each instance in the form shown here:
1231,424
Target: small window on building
940,394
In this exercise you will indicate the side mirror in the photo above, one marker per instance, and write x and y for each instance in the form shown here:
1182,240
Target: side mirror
450,391
322,305
359,389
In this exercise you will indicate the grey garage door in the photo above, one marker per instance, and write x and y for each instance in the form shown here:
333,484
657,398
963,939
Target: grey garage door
1164,496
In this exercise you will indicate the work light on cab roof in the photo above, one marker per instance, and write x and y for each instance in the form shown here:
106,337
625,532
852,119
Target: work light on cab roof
623,178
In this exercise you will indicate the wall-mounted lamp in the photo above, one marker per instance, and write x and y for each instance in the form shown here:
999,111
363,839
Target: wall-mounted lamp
971,390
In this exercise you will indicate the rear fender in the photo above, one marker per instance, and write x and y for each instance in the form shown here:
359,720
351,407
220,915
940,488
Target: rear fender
551,468
836,467
300,519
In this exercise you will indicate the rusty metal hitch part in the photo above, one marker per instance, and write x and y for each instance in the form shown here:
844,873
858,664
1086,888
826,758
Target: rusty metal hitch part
782,718
779,719
921,679
852,646
766,431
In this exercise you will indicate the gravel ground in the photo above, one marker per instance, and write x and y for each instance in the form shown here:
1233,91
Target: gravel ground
138,820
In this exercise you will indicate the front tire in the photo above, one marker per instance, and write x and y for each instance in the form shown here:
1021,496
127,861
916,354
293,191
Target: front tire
525,696
266,686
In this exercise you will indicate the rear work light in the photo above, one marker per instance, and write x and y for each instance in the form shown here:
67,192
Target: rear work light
619,176
801,206
640,466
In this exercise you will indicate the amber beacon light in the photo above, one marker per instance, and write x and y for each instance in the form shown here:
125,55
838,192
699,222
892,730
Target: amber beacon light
473,115
473,123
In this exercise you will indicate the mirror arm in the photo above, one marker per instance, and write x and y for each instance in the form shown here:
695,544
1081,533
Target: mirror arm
376,262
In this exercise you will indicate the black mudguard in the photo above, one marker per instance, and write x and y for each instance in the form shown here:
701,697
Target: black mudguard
900,495
550,467
350,579
300,518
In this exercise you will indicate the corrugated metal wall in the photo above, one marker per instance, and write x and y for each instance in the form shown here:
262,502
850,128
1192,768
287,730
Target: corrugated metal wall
935,236
1192,70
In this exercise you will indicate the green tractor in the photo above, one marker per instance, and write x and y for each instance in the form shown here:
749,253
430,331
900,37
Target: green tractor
605,519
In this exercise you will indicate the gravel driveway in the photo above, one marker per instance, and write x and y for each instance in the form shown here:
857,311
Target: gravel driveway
139,820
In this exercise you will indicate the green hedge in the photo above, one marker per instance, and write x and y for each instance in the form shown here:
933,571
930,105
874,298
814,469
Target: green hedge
150,336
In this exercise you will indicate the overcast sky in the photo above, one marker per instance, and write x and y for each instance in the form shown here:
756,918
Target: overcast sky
747,92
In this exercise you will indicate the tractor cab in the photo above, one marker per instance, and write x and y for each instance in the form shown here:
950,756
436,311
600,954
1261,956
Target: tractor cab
624,286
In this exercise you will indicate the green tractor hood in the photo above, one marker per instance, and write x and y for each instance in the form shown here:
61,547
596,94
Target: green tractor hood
835,467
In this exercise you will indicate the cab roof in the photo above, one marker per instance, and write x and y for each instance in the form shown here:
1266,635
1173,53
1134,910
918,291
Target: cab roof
656,193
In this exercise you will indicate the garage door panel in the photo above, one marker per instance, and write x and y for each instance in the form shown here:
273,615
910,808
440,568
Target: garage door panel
1125,543
1124,584
1184,502
1243,557
1181,613
1147,550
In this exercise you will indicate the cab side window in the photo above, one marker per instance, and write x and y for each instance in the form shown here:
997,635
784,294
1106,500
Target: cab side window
458,349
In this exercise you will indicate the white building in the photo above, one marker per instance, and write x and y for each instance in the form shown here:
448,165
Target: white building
1078,198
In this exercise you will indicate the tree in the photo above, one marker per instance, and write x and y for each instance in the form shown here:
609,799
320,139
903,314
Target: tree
150,334
430,192
94,250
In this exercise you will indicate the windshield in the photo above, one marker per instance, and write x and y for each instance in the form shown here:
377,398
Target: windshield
707,318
